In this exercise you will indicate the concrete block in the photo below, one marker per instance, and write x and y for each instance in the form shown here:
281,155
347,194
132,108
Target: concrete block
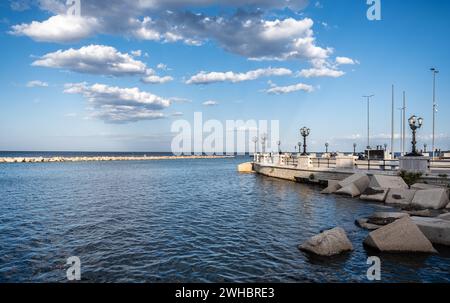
400,196
361,181
375,194
422,186
401,236
387,182
329,243
349,190
431,198
333,186
437,230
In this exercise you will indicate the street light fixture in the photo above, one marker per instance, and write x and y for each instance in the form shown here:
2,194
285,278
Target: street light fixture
299,147
434,71
279,147
326,147
263,143
255,140
368,119
354,149
415,124
305,132
425,147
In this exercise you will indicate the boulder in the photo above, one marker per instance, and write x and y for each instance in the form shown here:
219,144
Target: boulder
361,181
400,196
333,186
384,181
328,243
422,186
375,194
349,190
245,167
431,198
437,230
401,236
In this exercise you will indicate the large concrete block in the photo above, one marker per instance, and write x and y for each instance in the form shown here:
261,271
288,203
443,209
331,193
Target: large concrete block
445,216
401,236
387,182
422,186
361,181
333,186
437,230
400,196
349,190
375,194
245,167
431,198
328,243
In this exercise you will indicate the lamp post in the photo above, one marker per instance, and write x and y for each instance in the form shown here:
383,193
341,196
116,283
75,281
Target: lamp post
255,141
299,147
279,147
425,147
305,132
263,143
368,119
385,147
354,149
326,147
434,71
414,123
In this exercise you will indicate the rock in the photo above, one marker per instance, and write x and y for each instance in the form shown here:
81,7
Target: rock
363,223
384,181
420,213
361,181
422,186
435,229
375,194
333,186
245,167
431,198
349,190
328,243
401,236
400,196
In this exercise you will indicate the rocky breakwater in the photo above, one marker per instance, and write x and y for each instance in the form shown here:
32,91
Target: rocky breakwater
102,159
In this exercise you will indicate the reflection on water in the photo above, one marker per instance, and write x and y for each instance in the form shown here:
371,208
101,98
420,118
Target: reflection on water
180,221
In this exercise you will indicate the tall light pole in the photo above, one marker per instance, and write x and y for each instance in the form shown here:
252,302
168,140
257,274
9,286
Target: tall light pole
434,71
255,140
263,143
404,124
368,119
392,123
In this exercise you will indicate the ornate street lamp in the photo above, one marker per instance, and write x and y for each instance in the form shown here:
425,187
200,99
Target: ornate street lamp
354,149
414,123
305,132
263,143
326,147
255,140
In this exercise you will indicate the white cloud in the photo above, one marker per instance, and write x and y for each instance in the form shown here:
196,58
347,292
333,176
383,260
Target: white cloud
136,53
93,59
119,105
345,60
59,28
210,103
154,79
163,66
321,72
213,77
277,90
37,83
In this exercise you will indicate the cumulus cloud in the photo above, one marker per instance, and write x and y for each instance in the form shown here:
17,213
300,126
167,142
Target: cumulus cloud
93,59
213,77
321,72
119,105
345,60
278,90
210,103
153,78
37,83
59,28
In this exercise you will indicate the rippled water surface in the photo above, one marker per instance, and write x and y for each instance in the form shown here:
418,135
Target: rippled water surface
180,221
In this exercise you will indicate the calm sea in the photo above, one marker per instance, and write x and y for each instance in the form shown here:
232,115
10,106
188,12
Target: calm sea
180,221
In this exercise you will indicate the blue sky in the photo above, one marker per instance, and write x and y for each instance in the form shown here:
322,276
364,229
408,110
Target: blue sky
328,50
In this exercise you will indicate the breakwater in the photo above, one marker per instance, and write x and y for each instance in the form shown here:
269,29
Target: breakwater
102,158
